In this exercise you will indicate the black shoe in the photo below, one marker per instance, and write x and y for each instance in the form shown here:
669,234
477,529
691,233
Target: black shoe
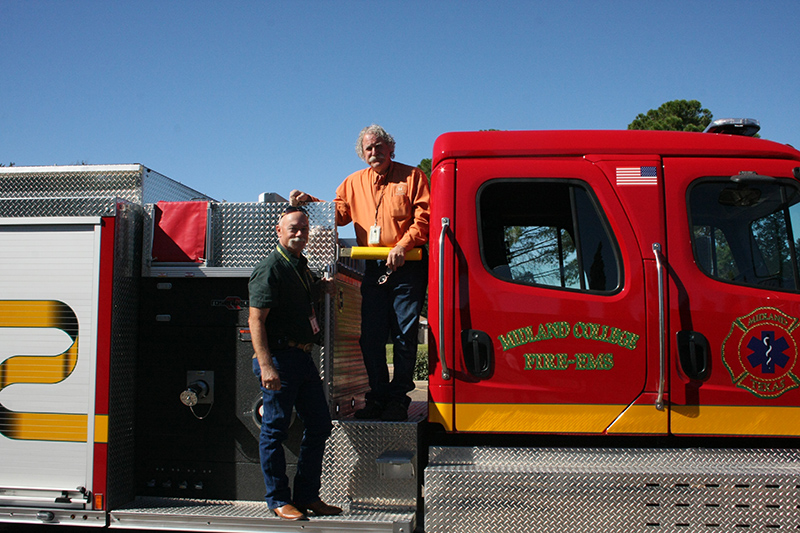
371,411
395,412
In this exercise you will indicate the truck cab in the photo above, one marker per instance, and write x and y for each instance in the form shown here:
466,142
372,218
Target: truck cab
615,283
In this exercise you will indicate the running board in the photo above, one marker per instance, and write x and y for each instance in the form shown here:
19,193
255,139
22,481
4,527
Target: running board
476,489
164,514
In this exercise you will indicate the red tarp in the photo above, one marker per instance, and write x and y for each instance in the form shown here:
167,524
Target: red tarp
179,233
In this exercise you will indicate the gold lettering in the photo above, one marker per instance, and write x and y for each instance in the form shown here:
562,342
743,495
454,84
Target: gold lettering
529,359
559,330
584,361
605,361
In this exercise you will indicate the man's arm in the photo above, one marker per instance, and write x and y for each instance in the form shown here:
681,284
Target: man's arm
258,334
299,198
417,233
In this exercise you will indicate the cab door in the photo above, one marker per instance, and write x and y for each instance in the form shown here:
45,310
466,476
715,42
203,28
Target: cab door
550,319
734,305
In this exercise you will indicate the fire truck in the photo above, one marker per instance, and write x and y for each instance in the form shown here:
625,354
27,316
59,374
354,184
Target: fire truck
613,332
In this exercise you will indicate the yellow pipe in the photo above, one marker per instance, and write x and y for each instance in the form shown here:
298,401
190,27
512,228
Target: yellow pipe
377,252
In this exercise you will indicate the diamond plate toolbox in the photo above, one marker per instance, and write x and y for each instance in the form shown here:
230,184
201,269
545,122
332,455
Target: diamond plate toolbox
84,190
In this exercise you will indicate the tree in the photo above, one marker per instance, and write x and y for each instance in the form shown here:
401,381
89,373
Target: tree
676,115
425,166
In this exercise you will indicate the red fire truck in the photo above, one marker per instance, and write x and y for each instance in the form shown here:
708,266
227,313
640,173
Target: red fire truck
613,339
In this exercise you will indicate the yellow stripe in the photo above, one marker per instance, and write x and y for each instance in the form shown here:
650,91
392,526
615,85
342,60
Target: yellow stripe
39,369
735,420
39,314
31,313
45,426
535,418
641,419
101,428
441,413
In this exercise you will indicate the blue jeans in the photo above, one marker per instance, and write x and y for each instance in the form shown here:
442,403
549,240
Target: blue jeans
301,389
391,311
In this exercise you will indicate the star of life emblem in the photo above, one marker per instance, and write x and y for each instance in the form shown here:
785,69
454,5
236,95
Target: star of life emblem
760,352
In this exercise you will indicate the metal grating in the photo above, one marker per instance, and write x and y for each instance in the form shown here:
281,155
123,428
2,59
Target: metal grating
67,185
351,470
124,325
244,233
243,516
611,490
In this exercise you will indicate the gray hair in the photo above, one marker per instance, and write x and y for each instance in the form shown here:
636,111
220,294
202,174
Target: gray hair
378,132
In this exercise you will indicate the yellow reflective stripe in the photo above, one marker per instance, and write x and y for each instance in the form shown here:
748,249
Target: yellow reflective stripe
39,369
735,420
43,426
535,418
32,314
101,428
441,413
39,314
641,419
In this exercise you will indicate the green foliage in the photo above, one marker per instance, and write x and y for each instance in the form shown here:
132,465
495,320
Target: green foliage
425,166
676,115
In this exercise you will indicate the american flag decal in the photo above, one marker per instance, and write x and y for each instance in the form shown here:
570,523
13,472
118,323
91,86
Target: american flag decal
637,176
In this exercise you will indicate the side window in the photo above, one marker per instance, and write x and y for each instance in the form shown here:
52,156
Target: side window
747,232
714,253
539,232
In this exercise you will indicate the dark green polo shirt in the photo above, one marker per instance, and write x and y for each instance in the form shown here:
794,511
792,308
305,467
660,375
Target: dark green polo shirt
283,283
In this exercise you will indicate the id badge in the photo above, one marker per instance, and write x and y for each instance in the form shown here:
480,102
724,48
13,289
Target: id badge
313,321
374,235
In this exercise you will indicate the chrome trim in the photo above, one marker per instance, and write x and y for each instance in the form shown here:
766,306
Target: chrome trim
445,370
661,327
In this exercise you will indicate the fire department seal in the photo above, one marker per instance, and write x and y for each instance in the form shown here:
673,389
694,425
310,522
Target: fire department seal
760,352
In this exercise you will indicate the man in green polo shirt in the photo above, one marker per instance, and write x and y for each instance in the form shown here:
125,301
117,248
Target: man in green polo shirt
284,327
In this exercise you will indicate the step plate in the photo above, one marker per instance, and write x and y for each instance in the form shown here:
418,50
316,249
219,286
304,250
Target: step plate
169,514
611,490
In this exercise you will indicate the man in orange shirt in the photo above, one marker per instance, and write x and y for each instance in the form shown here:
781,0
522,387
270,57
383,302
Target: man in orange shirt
389,205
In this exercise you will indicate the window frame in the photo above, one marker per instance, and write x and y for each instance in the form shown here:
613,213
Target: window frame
599,212
752,242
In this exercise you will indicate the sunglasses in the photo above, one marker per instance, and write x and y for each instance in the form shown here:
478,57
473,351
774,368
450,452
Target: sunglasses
292,209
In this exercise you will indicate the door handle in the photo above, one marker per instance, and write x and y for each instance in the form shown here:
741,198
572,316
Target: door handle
694,354
442,356
478,353
662,341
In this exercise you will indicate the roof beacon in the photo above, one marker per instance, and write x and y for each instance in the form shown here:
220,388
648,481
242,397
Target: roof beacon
734,126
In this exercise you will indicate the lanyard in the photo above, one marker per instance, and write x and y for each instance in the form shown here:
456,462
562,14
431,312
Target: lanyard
303,281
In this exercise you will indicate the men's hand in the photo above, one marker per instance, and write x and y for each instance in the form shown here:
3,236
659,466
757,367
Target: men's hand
328,285
270,379
298,198
396,257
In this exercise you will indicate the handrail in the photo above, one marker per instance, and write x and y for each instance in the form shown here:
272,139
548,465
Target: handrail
661,327
442,358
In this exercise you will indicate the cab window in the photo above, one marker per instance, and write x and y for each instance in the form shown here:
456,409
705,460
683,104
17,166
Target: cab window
545,233
747,232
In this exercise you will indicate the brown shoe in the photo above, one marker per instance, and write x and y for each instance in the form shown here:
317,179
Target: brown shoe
320,508
289,512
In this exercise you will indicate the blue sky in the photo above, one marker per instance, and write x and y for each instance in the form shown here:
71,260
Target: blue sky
235,98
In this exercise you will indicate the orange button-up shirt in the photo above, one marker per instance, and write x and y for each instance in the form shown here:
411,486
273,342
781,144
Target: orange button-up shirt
399,203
